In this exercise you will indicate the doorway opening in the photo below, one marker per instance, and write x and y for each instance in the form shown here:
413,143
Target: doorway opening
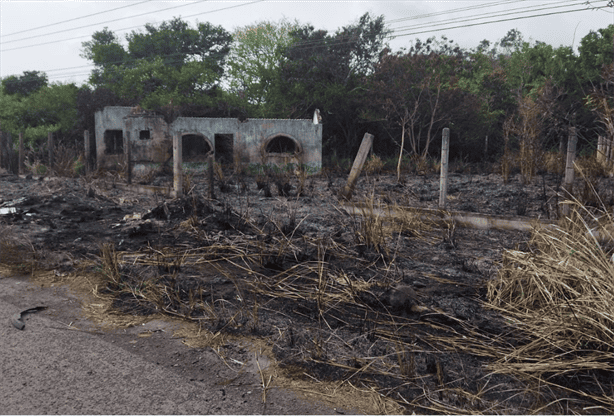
113,142
224,148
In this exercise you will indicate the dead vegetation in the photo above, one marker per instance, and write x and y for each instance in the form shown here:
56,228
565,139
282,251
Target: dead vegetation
333,307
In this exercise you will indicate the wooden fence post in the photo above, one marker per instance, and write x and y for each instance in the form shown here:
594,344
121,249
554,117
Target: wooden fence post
600,154
50,148
443,178
569,170
361,157
177,162
20,163
486,147
86,143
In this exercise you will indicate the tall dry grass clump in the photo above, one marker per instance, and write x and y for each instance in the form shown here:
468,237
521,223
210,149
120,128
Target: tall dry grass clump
374,165
527,126
559,296
16,252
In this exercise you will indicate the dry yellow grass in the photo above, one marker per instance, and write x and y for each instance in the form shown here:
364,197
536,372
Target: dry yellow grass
559,296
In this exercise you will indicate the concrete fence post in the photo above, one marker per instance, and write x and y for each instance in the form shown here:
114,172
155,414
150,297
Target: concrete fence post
50,145
8,152
2,157
1,147
361,157
211,160
128,158
486,147
86,143
443,177
177,162
21,152
569,170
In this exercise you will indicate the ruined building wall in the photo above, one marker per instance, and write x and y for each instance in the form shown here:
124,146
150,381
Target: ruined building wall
256,141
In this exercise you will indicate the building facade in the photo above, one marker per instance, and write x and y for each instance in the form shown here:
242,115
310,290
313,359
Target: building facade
253,141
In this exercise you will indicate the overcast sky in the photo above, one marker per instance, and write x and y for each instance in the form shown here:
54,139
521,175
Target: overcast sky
57,54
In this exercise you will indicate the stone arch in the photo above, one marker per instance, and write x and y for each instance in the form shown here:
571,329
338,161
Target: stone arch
282,144
195,147
282,149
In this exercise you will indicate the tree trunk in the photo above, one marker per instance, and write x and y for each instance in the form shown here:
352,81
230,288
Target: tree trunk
401,154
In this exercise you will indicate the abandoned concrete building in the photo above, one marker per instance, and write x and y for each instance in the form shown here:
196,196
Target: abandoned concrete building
253,141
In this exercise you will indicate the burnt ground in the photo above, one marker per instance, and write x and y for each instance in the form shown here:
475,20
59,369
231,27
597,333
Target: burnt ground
310,280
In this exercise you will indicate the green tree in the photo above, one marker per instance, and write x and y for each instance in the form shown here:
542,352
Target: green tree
177,44
170,64
327,72
255,60
596,51
408,90
49,109
25,84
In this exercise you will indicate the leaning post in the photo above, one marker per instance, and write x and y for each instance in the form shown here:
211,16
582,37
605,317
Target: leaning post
569,170
361,157
86,143
443,178
20,163
177,162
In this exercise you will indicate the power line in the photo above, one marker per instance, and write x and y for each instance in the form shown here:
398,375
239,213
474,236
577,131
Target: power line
478,17
76,18
128,28
200,1
101,23
461,9
306,45
490,22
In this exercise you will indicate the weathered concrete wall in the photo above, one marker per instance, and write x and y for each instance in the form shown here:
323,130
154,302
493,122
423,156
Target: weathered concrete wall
110,118
158,147
250,138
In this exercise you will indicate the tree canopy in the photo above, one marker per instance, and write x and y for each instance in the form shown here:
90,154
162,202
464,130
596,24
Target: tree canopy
168,63
25,84
287,69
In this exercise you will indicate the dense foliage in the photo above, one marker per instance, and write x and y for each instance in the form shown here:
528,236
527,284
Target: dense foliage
287,69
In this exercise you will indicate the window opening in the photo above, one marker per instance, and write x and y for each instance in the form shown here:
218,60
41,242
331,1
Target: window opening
144,135
113,142
282,144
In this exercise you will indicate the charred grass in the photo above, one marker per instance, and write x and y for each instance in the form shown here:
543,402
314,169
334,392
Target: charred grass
319,304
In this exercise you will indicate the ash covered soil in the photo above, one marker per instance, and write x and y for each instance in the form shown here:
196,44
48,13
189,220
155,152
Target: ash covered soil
402,316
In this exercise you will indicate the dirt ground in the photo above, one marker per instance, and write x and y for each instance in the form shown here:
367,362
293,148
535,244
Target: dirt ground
332,298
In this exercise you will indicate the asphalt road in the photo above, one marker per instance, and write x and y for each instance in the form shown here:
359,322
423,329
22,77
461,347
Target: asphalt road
46,368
